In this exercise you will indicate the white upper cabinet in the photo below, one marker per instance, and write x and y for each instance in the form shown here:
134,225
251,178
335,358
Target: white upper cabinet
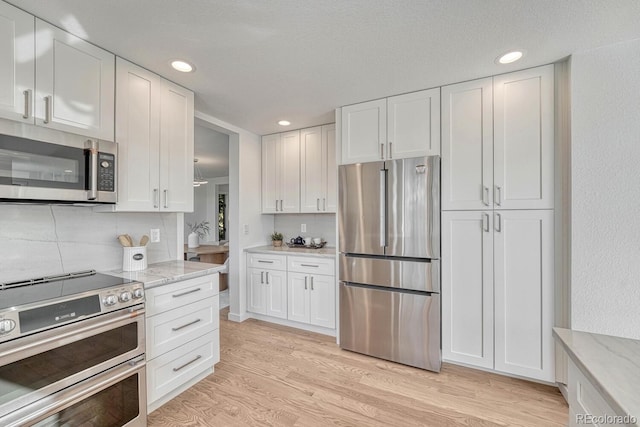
392,128
74,84
154,131
498,141
281,172
318,169
364,131
467,145
523,139
17,64
413,124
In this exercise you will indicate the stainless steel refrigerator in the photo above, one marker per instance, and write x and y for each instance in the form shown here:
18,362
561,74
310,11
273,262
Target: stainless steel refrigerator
389,239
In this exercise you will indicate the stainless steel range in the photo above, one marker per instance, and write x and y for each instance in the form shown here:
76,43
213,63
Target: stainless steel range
72,351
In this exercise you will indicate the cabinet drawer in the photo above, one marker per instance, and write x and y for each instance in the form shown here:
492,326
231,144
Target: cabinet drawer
172,369
311,265
174,328
266,261
584,398
178,294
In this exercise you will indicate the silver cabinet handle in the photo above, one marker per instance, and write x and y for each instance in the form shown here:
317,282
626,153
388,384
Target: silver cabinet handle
498,195
310,265
265,261
318,204
281,206
186,324
166,199
192,291
305,282
187,364
311,282
47,109
498,225
485,222
155,198
324,204
276,205
27,104
381,150
485,195
390,150
267,277
262,277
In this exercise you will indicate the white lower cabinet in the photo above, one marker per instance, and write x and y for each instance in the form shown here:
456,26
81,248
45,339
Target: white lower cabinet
182,336
497,291
299,289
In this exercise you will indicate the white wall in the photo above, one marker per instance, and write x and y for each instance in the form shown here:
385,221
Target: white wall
200,213
41,240
605,143
318,225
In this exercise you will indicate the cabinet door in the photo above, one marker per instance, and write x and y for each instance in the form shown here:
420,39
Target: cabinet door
467,287
523,139
523,275
75,84
364,131
298,297
313,170
17,66
138,137
270,163
413,121
276,293
256,291
289,169
322,301
467,145
176,148
330,203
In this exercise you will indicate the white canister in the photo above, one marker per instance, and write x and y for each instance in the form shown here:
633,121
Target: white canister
134,258
193,240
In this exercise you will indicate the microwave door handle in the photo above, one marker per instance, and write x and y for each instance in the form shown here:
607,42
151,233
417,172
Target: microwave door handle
92,146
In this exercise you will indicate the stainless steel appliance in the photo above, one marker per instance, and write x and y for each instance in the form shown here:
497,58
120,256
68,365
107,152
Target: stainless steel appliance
76,172
72,351
389,238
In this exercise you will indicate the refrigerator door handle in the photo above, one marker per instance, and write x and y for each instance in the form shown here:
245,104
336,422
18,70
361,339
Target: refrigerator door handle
383,207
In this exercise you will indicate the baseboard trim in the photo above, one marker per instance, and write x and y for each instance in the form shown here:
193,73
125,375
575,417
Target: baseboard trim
239,318
290,323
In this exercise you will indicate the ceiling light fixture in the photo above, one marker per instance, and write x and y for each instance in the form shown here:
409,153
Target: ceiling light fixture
509,57
182,66
198,179
284,122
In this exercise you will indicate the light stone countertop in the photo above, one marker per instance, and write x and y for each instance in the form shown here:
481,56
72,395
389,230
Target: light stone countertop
326,252
612,364
162,273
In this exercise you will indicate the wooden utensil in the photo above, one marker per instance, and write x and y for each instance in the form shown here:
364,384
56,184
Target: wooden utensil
144,240
129,239
124,241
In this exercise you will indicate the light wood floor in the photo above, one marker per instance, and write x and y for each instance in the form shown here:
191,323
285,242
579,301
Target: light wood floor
271,375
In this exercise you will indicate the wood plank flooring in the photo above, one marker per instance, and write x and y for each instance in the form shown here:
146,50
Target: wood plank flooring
271,375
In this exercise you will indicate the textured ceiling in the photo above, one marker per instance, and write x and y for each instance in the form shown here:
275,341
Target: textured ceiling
260,61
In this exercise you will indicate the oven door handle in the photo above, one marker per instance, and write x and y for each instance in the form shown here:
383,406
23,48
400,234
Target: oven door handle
56,402
40,342
92,147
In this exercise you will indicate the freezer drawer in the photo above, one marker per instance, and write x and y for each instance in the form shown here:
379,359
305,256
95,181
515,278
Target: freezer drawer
415,275
403,327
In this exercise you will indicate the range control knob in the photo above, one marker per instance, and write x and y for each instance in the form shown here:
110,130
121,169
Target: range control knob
6,326
104,164
110,300
125,296
138,293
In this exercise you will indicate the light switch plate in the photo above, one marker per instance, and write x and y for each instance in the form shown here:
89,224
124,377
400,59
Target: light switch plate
155,235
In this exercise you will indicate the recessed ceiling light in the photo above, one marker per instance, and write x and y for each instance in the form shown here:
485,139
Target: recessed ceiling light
284,122
509,57
183,66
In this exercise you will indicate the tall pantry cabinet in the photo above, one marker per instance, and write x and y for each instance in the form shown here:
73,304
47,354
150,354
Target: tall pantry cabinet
497,223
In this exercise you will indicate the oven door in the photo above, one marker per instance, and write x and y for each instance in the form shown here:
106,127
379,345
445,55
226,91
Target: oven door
114,398
42,364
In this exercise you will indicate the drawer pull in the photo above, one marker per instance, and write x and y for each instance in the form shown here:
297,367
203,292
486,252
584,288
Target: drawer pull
186,293
311,282
265,262
310,265
184,326
187,364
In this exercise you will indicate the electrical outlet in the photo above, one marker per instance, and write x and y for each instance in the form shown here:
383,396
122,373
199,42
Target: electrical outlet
246,228
155,235
303,228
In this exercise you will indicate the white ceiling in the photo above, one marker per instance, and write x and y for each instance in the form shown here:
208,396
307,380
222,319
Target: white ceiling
211,148
260,61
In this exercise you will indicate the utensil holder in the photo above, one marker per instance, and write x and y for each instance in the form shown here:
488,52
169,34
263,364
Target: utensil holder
134,258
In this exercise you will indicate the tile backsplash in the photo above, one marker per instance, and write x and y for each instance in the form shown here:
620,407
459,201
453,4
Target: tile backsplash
40,240
318,225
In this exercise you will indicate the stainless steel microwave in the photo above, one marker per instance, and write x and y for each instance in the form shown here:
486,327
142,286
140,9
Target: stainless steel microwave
73,171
